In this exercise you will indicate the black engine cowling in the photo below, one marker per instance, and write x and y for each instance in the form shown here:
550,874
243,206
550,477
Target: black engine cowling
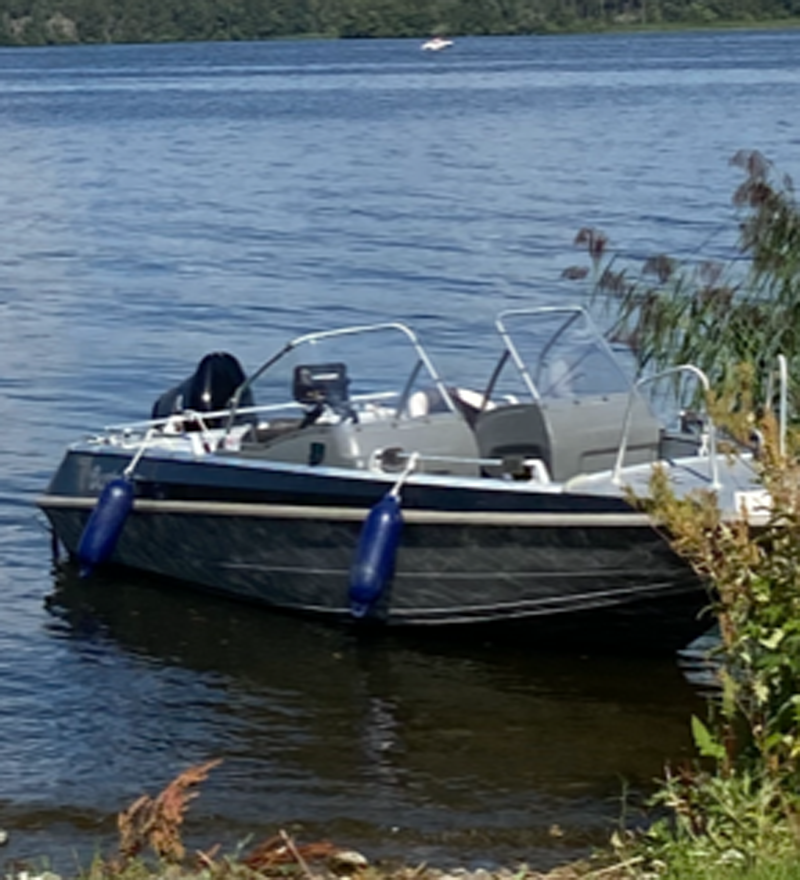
209,389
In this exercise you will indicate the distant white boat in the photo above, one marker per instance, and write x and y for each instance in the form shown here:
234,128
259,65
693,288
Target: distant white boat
435,44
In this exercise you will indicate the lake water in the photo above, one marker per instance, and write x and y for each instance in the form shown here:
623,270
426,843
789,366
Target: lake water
160,202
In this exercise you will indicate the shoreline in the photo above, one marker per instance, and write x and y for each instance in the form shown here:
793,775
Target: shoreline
588,28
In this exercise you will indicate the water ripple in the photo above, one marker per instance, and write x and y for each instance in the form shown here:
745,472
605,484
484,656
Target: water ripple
160,202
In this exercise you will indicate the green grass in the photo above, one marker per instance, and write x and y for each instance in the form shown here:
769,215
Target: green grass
786,870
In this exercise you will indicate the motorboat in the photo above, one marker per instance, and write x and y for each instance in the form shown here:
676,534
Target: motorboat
345,478
436,44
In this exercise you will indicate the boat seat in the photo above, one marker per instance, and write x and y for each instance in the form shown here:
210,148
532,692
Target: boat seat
514,431
429,400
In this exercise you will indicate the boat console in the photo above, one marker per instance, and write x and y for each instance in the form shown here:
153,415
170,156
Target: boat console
569,436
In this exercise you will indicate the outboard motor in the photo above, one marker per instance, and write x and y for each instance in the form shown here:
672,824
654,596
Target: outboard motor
208,389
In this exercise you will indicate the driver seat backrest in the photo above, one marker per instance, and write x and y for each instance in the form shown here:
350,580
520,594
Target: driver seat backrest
518,430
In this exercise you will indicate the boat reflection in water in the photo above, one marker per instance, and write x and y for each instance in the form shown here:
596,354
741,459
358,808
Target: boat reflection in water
422,749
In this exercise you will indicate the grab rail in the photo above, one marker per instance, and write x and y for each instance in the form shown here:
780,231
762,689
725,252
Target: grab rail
192,415
682,368
783,373
382,459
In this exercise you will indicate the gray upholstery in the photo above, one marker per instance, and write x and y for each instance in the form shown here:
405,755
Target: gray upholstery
572,436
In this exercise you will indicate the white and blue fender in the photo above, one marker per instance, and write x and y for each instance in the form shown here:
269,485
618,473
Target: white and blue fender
376,552
102,531
107,520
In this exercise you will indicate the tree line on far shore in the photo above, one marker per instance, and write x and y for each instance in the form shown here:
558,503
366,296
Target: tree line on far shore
53,22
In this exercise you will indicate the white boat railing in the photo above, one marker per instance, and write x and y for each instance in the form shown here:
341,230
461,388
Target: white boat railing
783,406
626,425
384,459
783,400
190,415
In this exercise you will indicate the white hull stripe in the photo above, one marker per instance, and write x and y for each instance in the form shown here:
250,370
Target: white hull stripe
355,514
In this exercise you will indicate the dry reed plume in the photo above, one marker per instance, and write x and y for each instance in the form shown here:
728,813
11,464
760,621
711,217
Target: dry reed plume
156,822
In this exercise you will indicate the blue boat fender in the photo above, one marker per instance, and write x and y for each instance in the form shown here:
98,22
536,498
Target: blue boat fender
376,553
105,525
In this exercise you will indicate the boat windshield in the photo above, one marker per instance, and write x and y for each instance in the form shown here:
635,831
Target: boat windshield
350,372
554,352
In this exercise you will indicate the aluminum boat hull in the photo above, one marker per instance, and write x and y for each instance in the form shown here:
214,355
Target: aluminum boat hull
557,564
